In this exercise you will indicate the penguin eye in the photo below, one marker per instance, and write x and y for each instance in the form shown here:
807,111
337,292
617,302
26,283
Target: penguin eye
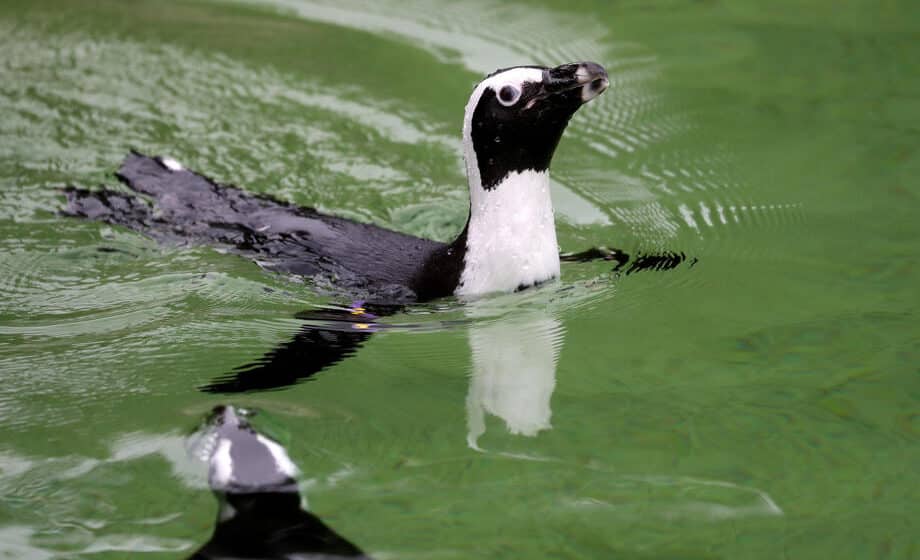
509,95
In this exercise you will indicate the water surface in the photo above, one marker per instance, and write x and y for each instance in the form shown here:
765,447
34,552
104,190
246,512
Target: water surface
762,403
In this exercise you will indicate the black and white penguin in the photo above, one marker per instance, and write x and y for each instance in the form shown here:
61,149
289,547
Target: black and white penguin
511,127
512,124
260,513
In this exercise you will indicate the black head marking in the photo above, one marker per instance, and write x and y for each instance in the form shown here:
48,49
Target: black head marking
512,138
516,126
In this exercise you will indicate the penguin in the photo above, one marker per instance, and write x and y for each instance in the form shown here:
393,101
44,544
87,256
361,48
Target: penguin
512,125
260,507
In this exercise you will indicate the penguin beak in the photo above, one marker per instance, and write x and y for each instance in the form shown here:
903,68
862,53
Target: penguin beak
588,79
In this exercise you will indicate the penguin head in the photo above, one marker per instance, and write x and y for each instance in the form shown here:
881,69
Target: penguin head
243,461
516,116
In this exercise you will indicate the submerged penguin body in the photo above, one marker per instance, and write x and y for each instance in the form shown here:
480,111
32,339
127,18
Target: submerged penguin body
189,208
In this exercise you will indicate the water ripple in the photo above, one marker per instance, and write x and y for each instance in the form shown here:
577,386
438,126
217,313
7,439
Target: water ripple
681,191
102,88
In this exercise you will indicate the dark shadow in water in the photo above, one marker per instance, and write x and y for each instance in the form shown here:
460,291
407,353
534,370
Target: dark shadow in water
330,336
625,264
657,262
260,513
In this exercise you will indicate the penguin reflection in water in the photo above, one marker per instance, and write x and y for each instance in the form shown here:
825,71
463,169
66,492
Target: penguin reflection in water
260,513
512,125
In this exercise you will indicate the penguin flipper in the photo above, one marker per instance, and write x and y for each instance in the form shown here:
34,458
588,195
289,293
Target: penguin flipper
668,260
626,264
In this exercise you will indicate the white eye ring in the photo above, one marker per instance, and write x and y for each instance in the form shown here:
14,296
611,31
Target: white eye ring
508,95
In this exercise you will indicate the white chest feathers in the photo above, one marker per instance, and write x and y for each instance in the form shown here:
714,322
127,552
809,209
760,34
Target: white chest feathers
511,240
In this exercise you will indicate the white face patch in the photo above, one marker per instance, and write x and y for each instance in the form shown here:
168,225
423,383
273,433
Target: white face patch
284,463
222,465
171,164
511,240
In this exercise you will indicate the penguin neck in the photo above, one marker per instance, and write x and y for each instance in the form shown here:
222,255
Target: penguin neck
510,236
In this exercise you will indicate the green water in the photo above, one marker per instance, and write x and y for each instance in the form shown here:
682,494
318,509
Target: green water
764,403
